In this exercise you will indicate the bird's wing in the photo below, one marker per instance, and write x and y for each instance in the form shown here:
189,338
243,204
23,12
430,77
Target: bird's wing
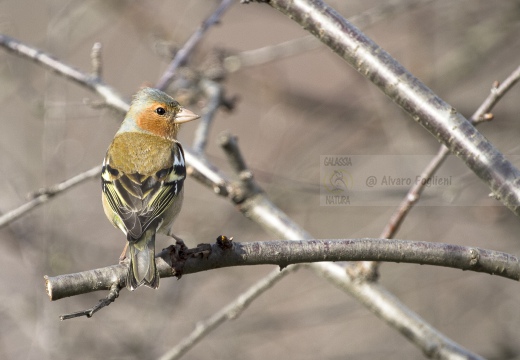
140,200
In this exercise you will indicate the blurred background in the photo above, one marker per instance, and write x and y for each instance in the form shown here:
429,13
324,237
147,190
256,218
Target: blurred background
287,113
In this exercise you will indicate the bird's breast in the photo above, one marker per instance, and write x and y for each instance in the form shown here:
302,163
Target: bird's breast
140,153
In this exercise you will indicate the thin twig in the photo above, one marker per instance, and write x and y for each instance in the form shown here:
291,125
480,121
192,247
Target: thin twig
245,187
44,195
182,55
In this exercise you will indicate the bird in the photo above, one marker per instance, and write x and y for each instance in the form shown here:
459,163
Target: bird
142,179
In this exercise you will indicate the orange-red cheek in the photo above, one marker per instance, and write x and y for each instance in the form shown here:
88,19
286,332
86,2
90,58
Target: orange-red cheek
150,121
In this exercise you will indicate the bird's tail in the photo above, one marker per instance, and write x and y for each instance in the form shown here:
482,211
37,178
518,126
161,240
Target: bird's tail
142,269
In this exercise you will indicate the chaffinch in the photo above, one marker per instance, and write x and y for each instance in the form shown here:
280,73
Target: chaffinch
142,179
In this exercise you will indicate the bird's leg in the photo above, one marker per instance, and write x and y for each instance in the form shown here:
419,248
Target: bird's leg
202,250
178,240
179,253
123,254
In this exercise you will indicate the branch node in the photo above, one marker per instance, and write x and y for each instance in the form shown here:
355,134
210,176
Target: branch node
494,86
50,191
224,242
475,257
221,189
488,117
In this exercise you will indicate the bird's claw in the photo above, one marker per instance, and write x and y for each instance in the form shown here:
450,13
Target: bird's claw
179,253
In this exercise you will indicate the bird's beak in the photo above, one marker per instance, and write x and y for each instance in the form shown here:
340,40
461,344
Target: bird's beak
184,116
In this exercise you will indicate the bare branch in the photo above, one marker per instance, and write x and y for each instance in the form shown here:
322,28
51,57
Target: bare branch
206,173
422,104
44,195
93,83
182,55
285,253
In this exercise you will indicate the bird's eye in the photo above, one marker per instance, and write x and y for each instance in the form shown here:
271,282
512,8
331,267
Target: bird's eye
160,111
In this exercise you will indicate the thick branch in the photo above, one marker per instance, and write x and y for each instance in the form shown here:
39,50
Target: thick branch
284,253
422,104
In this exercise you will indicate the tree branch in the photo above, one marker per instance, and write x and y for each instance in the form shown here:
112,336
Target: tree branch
285,253
112,98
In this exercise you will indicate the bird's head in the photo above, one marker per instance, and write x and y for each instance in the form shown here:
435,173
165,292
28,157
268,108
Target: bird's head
155,112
